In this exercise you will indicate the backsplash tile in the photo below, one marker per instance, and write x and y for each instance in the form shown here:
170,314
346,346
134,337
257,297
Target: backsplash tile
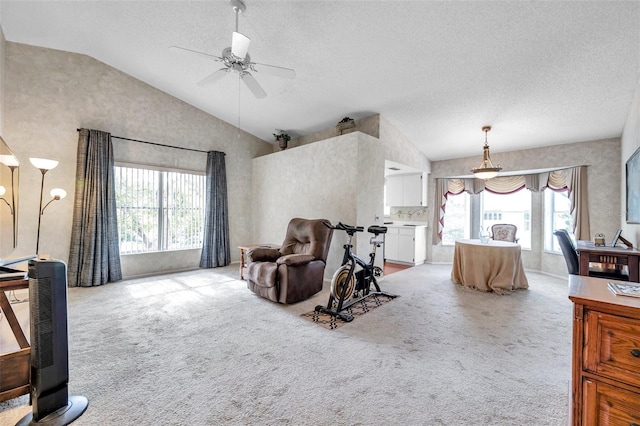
418,213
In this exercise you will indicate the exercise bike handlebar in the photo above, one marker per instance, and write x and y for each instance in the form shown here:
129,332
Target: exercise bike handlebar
344,227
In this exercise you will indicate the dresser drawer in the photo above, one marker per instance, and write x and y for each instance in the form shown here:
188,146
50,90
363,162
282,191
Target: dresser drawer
608,405
612,347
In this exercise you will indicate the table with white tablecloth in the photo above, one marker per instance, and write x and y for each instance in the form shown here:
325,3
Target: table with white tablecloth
493,266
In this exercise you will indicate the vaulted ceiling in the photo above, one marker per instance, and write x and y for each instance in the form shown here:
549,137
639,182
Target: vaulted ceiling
541,73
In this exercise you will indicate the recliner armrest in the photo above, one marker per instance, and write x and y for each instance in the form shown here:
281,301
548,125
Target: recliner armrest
295,259
263,254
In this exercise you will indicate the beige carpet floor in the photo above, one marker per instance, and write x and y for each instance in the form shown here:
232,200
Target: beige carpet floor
198,348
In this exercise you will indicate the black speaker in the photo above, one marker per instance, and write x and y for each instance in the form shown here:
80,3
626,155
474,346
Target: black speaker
49,347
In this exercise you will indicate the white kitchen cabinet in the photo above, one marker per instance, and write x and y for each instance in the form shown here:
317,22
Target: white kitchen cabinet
394,191
406,244
406,190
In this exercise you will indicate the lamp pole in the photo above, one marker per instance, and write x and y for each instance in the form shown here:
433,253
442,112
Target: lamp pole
13,206
40,210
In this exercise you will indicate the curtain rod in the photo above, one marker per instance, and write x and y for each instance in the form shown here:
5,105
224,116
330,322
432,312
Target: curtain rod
155,143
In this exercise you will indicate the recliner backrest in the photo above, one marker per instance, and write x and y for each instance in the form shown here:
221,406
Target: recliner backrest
308,236
568,251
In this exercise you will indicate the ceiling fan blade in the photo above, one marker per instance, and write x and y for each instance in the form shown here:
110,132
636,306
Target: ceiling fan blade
253,85
240,45
213,77
204,55
275,70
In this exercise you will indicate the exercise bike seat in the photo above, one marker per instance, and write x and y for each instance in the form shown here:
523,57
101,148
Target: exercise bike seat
375,229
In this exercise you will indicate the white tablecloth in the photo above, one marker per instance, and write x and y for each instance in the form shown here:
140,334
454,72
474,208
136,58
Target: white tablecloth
495,266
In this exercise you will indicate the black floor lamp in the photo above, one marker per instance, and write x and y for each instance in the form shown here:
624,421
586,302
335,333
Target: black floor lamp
57,193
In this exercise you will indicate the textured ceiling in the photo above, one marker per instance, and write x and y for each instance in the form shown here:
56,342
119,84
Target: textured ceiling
540,73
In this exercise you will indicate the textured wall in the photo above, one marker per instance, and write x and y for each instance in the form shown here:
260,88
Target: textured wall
50,93
340,178
603,160
369,125
630,143
400,149
3,44
6,235
313,181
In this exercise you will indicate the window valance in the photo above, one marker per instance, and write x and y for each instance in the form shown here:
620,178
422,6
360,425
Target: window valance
573,179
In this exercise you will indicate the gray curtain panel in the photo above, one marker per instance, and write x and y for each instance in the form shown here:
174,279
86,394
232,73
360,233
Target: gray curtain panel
215,247
94,256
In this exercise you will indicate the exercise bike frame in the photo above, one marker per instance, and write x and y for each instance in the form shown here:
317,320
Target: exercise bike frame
363,278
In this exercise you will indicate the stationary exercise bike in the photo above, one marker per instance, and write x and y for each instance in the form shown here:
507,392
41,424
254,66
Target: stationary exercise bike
349,286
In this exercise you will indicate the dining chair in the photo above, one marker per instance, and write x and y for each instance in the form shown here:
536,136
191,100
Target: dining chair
504,232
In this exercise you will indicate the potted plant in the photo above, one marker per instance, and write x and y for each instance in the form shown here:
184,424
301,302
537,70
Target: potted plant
345,124
282,139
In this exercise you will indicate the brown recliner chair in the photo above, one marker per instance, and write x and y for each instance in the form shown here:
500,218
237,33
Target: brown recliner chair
294,272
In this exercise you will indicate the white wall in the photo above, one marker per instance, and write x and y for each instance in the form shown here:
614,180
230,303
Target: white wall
630,143
51,93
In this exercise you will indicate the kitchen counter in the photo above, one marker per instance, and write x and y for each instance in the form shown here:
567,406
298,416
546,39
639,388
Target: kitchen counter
405,224
405,242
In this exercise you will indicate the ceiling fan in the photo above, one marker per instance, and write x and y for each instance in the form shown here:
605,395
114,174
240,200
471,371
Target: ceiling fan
236,59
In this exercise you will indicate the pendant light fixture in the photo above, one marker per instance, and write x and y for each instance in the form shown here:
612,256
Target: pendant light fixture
486,170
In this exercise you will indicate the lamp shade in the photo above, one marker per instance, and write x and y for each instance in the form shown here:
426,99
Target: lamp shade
58,193
485,174
43,163
9,160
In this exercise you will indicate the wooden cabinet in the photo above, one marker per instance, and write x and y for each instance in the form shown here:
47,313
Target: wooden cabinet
14,366
406,190
406,244
606,355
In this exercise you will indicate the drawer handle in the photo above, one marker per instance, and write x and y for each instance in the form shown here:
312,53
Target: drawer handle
636,353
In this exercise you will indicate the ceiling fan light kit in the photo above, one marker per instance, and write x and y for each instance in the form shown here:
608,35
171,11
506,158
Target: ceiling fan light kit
236,59
240,45
487,170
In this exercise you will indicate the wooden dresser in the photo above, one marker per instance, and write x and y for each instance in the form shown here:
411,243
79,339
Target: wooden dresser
606,355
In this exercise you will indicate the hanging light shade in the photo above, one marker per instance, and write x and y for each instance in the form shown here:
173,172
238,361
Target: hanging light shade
486,170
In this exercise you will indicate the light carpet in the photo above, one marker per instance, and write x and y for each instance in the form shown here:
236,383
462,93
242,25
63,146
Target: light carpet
198,348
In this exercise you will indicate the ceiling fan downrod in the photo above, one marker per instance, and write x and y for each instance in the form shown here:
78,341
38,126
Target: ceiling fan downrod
238,7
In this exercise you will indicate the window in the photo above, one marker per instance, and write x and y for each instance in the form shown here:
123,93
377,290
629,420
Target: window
557,216
457,220
491,208
514,208
159,210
